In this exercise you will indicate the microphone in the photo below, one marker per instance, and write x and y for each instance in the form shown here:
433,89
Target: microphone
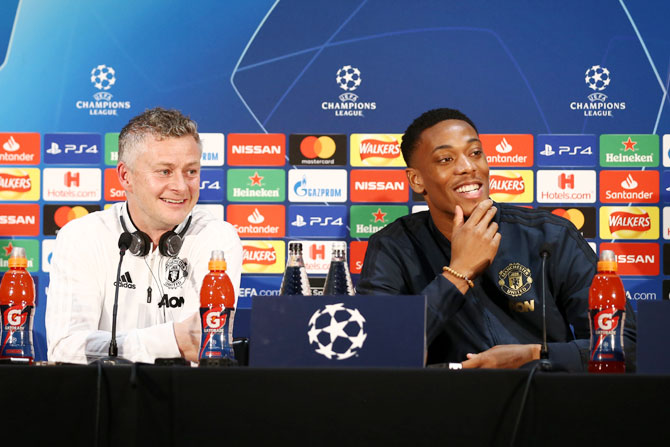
545,364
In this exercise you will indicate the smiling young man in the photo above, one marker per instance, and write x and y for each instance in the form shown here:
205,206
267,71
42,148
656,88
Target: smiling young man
158,310
479,263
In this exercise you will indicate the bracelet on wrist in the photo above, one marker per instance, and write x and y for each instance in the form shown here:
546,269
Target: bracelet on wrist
459,275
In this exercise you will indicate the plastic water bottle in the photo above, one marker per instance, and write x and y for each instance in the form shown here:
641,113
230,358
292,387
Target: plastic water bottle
607,314
338,281
295,280
217,314
17,304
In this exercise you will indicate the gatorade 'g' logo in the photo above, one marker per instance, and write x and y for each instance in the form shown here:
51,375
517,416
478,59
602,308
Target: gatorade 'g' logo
604,320
14,316
213,319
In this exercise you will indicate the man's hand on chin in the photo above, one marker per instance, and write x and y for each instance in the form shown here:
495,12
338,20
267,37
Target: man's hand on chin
503,357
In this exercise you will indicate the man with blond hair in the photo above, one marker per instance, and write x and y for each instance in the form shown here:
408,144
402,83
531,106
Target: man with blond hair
159,169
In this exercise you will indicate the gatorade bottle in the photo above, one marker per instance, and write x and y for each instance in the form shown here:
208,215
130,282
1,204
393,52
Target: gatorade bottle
607,313
217,313
17,301
338,281
295,280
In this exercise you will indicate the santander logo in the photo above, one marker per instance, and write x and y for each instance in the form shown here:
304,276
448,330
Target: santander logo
506,185
623,220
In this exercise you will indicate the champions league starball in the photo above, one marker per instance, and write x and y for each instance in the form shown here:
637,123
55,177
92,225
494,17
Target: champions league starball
348,78
597,78
338,332
103,77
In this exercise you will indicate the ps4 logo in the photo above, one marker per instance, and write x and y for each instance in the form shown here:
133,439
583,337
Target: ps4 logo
72,148
568,150
206,184
317,221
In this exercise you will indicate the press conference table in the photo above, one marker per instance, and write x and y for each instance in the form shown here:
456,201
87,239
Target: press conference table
150,405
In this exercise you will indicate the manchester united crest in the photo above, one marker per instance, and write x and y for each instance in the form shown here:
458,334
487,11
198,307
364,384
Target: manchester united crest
515,279
176,272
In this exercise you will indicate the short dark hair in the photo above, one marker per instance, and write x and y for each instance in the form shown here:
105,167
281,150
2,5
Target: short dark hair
428,119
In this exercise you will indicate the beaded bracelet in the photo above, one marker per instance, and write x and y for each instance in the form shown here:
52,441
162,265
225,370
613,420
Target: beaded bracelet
459,275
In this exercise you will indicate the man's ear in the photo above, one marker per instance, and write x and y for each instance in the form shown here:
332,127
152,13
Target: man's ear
123,172
415,180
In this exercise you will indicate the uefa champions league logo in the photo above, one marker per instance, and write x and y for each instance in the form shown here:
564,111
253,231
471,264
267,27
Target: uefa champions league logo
103,77
348,78
337,331
597,78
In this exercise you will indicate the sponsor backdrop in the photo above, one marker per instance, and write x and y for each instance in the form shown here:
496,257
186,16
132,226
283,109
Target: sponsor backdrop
303,104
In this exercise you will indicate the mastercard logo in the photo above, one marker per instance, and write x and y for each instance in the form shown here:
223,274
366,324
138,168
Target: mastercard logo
322,147
573,215
65,214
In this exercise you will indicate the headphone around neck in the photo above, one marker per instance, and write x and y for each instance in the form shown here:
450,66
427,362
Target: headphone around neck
168,245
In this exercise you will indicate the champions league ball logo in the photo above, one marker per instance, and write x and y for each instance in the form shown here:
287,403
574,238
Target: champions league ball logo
103,77
597,78
337,331
348,78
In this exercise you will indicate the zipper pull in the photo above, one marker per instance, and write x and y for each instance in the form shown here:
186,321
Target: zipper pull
149,294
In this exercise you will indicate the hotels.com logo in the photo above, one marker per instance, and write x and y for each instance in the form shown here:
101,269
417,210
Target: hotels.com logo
635,258
256,149
566,181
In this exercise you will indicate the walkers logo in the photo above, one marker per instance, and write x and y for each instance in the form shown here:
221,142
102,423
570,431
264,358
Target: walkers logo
629,222
583,218
511,186
629,151
103,78
263,256
566,186
368,219
376,150
256,185
251,286
324,150
508,150
212,149
74,148
19,184
566,150
317,185
357,255
317,220
256,149
48,246
211,185
348,78
316,255
597,78
112,148
633,258
629,186
56,216
258,220
32,247
113,190
82,185
379,186
19,220
126,281
19,148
